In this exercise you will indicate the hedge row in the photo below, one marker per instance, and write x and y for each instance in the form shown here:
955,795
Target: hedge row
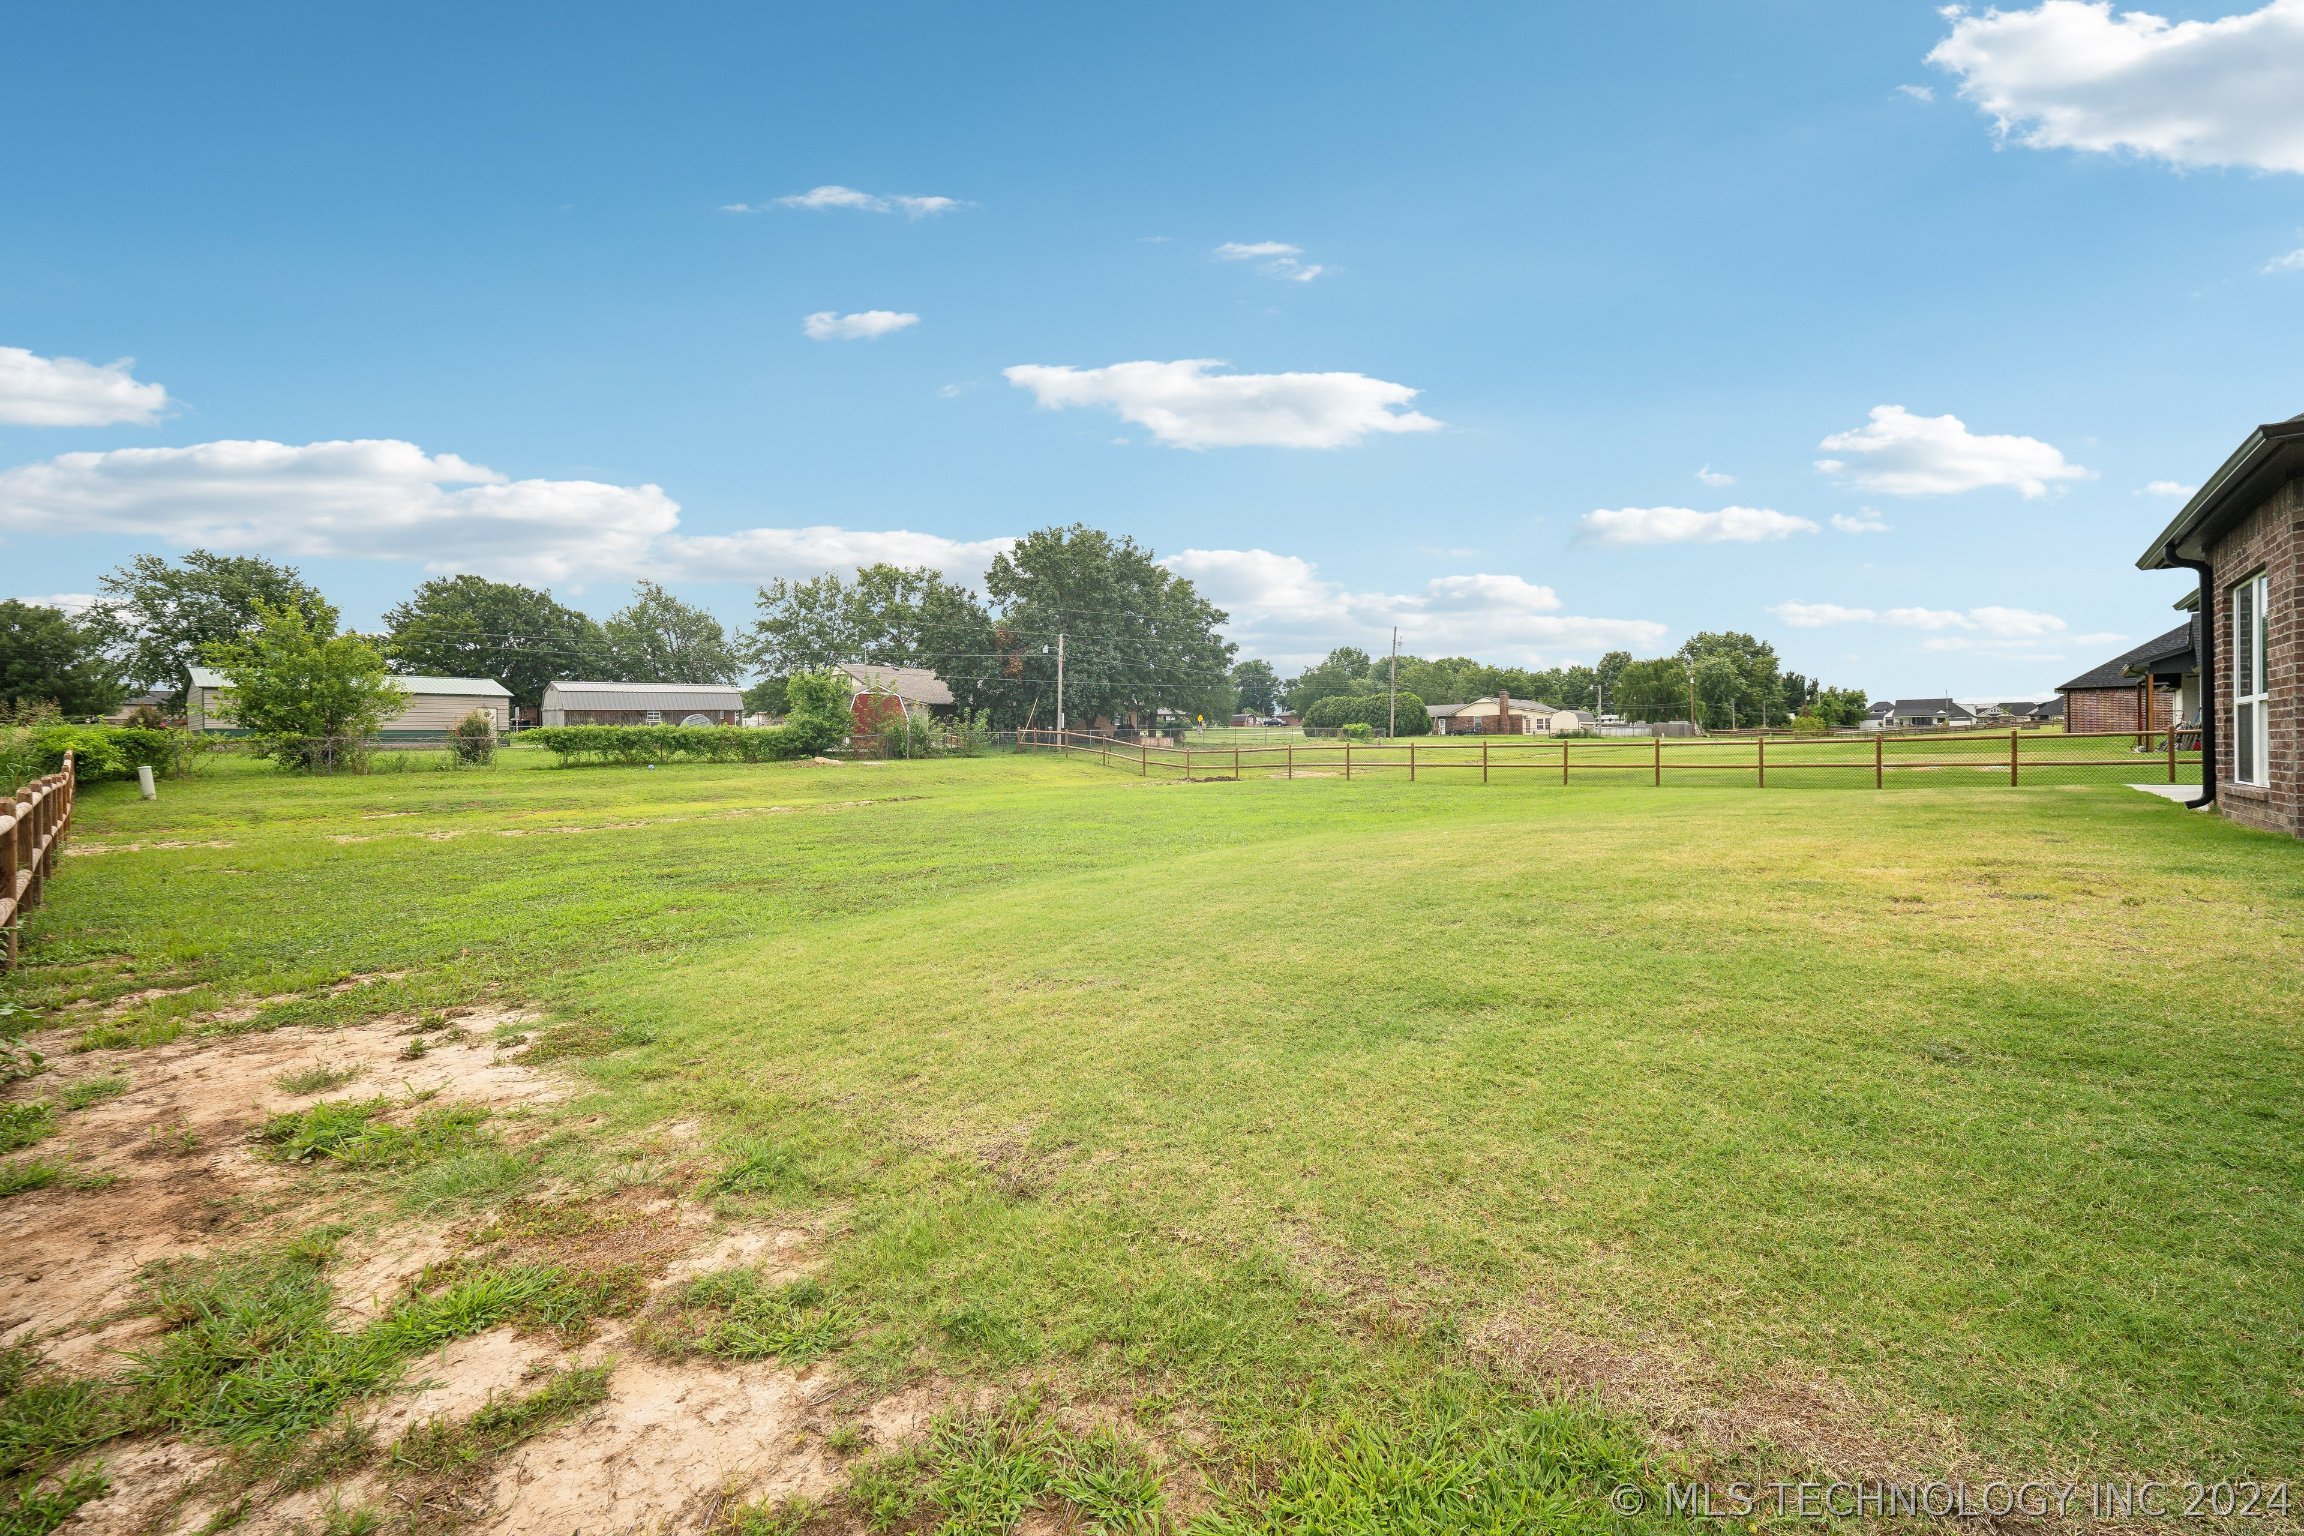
1374,710
684,743
99,751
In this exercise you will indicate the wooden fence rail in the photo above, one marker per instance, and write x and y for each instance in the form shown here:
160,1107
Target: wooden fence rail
2157,755
32,826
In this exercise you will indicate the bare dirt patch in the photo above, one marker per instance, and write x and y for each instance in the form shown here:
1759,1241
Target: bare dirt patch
85,850
176,1149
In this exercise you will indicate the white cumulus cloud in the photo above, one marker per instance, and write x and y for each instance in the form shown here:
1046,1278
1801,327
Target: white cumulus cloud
1184,404
1865,521
1273,258
383,499
2292,262
1686,525
38,391
864,325
1284,611
1947,629
1900,454
2174,490
831,198
2076,74
1918,92
68,602
1715,478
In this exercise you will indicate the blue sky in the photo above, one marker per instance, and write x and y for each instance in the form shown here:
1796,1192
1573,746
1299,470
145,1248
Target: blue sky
1533,328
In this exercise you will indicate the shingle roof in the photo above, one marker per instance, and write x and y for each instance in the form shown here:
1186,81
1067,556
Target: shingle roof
1913,708
914,685
657,696
2114,673
457,687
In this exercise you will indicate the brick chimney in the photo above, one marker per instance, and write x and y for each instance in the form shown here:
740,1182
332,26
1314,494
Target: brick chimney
1503,711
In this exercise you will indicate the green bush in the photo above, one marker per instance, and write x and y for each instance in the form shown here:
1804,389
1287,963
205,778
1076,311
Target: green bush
474,739
819,720
99,751
1357,730
1374,710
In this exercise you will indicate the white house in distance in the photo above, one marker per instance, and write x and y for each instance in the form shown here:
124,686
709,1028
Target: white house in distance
643,704
435,705
1520,717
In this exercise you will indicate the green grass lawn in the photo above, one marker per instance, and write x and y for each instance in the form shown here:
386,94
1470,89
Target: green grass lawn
1290,1104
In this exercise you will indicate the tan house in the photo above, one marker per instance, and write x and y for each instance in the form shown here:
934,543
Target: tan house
2242,534
435,705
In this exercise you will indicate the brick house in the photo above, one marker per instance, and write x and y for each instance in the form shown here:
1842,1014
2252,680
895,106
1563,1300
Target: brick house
2242,533
2142,690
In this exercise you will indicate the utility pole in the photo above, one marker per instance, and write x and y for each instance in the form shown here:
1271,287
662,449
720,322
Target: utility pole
1392,714
1059,684
1691,666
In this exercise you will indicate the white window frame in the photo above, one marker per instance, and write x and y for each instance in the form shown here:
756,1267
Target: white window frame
2251,681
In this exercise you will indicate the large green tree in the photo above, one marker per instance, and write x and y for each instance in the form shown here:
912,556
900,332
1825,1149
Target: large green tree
315,698
158,618
658,638
469,626
1258,686
1137,636
46,655
888,615
1750,693
1651,690
1345,670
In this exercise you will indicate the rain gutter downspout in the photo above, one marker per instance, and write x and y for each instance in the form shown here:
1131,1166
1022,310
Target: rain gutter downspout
2207,631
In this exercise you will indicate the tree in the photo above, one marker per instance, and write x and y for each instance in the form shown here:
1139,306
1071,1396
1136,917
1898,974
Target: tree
1841,706
315,698
660,639
1258,685
48,656
468,626
897,616
1345,671
1137,636
1605,677
1756,696
159,618
1650,690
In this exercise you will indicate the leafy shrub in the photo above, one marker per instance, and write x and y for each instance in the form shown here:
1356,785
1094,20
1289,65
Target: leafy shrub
99,752
474,739
1374,710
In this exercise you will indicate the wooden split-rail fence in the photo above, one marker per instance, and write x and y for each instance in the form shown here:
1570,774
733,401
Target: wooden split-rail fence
32,827
1992,757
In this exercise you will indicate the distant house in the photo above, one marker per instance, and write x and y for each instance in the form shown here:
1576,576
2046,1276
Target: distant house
2242,535
1499,716
1567,722
1918,715
2143,689
575,703
435,705
919,690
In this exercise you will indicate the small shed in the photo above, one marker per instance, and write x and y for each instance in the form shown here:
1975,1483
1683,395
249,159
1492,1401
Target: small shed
435,705
1567,722
575,703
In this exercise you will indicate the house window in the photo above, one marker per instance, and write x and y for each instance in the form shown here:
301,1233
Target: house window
2251,677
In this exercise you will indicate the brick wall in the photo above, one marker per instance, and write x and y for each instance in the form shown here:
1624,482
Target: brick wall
2114,709
2270,539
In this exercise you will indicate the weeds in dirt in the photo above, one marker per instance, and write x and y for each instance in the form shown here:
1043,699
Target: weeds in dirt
35,1510
316,1079
92,1091
357,1132
252,1353
22,1175
23,1122
734,1314
443,1446
761,1167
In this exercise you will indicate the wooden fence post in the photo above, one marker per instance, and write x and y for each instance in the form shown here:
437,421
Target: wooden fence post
1563,762
2011,757
2171,743
1762,744
1880,757
1143,761
1347,760
1411,762
1187,762
1659,758
1483,760
1291,762
1235,762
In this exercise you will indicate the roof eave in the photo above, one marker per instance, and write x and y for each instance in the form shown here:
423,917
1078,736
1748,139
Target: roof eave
2255,460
